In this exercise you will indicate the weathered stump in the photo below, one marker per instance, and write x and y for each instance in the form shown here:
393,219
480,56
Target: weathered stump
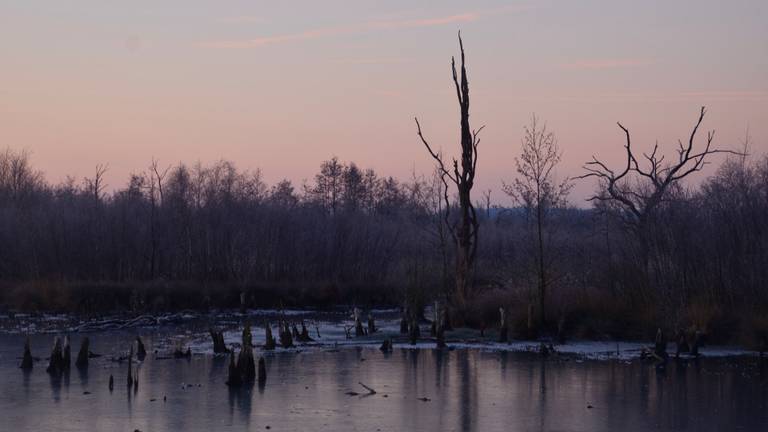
111,383
141,351
304,334
503,327
219,347
233,378
660,346
130,367
27,362
413,331
371,325
245,362
269,344
386,346
358,323
56,362
697,342
66,355
262,371
286,340
83,354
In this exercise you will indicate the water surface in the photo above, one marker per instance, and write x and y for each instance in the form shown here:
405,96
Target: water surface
417,389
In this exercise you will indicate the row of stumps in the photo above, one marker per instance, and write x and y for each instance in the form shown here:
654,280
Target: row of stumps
60,360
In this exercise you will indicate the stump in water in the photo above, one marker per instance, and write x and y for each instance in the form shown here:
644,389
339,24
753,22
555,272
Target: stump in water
245,363
304,335
371,324
682,344
66,355
27,362
262,371
660,346
83,354
358,323
503,328
269,344
440,336
697,342
141,351
413,331
219,347
295,332
561,330
130,367
386,346
234,373
286,340
111,383
56,362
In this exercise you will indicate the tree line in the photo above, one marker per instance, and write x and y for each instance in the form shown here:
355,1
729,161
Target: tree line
653,250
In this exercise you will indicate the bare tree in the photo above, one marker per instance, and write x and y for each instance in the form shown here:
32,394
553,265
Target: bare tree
637,191
538,192
464,231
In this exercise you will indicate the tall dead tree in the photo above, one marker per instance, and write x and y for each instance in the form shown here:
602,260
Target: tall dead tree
638,190
462,174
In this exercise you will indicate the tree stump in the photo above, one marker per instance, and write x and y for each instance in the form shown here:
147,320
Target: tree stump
371,325
286,340
27,363
130,367
269,343
660,346
245,363
111,383
219,347
304,334
56,362
83,354
262,371
358,323
233,378
503,327
141,351
386,346
66,355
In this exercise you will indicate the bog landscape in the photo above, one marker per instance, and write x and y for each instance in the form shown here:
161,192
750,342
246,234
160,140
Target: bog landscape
252,217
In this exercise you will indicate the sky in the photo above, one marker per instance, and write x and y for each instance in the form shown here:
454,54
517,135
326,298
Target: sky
282,86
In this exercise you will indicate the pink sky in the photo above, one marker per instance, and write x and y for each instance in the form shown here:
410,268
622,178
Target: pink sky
283,87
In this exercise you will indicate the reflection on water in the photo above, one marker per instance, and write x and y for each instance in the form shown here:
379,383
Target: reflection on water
461,390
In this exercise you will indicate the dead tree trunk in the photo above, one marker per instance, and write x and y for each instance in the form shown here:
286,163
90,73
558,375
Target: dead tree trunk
462,175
